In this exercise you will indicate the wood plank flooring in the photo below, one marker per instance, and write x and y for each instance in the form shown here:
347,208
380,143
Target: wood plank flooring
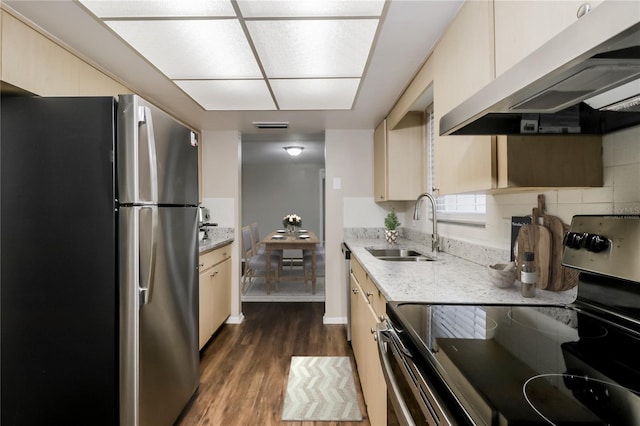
244,368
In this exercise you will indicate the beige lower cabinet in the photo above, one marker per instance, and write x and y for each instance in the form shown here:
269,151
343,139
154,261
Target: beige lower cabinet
366,303
215,291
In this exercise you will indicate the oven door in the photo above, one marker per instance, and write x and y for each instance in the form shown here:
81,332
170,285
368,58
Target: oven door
412,399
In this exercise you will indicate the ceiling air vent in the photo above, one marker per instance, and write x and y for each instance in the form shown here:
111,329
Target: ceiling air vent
271,124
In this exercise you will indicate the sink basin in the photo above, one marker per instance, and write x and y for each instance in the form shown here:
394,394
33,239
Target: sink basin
399,255
406,258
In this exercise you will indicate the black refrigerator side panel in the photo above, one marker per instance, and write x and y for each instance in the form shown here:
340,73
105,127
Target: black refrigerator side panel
59,292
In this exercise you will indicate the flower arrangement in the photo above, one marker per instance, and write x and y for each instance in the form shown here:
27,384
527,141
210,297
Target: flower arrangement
292,220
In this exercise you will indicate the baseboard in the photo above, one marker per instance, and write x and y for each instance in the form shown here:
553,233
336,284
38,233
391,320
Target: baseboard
235,319
334,320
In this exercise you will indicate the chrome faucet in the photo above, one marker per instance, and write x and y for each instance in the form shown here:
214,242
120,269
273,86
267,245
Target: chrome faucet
416,216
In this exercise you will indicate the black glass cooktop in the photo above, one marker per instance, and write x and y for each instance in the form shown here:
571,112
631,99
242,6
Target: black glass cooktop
520,365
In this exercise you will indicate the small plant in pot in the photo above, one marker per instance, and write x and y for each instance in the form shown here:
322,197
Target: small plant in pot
391,224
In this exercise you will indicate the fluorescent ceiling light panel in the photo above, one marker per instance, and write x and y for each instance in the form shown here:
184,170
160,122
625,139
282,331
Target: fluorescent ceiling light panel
159,8
306,8
229,94
313,48
192,49
315,94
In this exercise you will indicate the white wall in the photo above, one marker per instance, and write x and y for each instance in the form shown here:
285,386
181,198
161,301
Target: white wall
349,168
269,192
221,174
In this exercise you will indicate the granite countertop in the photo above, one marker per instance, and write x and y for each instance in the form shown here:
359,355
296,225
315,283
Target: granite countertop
448,279
214,242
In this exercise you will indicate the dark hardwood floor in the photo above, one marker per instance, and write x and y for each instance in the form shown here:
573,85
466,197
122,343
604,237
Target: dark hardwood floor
244,368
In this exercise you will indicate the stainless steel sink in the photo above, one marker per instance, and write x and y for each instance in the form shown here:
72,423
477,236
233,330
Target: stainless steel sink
399,255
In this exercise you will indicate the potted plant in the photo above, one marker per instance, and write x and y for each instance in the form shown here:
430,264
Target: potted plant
391,224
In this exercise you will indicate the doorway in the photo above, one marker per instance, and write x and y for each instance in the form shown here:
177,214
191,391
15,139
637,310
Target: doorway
275,184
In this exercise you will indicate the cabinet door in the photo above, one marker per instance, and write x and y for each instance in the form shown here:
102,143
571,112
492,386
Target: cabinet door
380,162
365,350
376,394
205,308
406,158
357,324
523,26
463,64
398,159
220,294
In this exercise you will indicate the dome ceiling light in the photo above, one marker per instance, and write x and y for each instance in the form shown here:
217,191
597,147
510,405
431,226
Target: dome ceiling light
293,151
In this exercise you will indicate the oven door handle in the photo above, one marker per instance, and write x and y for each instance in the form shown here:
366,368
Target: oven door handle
393,390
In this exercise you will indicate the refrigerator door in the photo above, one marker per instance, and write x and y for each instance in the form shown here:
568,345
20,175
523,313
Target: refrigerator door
58,303
159,313
157,156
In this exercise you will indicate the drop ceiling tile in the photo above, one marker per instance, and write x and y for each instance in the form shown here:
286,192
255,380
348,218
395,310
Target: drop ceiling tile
313,48
298,8
315,94
228,95
159,8
192,49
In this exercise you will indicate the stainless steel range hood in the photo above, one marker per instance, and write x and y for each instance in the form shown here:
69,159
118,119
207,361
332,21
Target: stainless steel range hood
584,80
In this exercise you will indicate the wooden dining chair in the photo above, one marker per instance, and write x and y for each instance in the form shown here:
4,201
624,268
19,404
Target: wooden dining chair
307,263
258,247
256,264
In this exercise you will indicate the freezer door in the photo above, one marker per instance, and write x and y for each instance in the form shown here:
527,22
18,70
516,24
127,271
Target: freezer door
159,314
157,156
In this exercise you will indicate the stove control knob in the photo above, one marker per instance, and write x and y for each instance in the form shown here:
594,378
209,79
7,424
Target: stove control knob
596,243
574,240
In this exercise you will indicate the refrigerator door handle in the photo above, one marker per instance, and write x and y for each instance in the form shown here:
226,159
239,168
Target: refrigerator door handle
145,116
147,274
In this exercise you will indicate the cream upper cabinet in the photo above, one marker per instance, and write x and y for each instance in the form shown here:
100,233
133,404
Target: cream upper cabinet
398,159
523,26
34,63
462,64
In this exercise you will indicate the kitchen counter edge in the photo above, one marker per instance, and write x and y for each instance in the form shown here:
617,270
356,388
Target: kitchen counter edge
213,243
449,279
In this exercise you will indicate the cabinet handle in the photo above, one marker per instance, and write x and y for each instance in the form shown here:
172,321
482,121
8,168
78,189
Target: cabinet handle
369,294
354,290
214,274
201,264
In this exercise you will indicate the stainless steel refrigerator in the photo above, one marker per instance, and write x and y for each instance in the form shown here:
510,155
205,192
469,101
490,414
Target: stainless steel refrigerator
99,294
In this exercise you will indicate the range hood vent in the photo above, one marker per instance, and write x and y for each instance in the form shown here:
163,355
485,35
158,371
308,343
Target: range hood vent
585,80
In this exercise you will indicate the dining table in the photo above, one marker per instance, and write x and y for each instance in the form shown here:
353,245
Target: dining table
297,240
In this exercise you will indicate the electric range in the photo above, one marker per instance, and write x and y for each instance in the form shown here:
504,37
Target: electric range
529,364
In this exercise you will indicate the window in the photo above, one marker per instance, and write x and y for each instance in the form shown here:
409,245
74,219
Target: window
459,208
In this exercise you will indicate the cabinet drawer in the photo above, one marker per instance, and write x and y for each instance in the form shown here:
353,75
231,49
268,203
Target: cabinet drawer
214,257
374,296
376,299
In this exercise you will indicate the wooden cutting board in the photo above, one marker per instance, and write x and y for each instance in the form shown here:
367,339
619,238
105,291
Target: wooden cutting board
561,278
537,239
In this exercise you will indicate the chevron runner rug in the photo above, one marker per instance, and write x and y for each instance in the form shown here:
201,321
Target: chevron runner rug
321,388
